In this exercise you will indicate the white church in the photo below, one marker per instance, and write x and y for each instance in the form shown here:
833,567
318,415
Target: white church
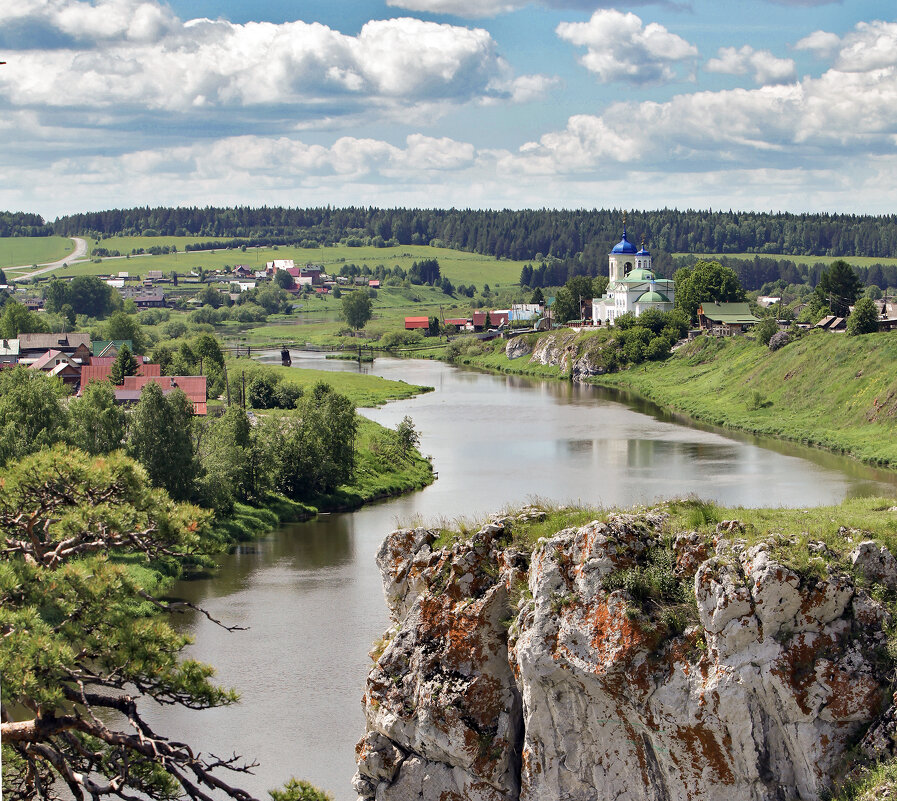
633,287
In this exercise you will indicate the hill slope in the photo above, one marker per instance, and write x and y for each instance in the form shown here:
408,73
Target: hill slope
830,390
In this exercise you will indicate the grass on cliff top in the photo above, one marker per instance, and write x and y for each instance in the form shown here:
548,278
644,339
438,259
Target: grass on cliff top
829,390
362,389
863,518
878,782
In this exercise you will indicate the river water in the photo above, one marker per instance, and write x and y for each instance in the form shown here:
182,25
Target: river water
311,594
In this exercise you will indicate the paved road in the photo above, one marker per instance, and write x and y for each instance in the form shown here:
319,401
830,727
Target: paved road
80,253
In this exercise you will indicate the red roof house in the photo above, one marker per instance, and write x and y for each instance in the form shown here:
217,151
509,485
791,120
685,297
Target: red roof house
416,322
100,372
193,386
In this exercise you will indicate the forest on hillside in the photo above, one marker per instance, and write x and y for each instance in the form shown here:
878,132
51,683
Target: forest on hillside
527,234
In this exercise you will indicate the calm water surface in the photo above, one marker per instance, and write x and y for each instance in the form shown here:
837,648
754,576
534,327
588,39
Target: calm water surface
311,593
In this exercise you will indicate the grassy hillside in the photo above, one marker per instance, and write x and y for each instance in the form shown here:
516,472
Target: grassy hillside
460,267
830,390
18,251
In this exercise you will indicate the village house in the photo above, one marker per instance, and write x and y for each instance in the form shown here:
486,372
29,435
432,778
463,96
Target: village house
109,347
313,271
62,365
33,346
9,351
100,368
725,319
832,323
193,386
279,264
149,300
417,323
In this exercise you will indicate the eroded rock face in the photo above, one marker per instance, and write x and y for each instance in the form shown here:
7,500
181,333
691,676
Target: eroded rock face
560,349
517,347
593,692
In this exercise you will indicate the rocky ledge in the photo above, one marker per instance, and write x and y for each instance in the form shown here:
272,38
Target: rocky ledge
614,660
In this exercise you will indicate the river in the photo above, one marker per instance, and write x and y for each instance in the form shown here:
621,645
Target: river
311,594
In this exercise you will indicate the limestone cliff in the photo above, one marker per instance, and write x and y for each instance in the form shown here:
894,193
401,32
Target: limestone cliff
615,661
576,356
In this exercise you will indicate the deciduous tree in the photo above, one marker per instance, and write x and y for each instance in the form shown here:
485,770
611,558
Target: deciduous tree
706,281
356,309
160,437
97,424
864,318
31,412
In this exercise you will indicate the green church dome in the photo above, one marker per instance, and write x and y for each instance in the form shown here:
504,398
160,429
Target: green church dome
639,275
653,297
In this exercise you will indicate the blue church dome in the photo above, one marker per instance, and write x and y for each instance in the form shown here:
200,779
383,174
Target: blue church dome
643,252
624,245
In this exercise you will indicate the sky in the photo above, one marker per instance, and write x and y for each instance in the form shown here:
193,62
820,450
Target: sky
743,104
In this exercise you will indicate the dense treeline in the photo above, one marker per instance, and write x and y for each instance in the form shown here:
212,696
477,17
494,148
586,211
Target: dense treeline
20,223
521,235
754,274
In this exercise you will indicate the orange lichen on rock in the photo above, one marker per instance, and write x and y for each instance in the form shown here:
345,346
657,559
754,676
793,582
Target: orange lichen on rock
704,750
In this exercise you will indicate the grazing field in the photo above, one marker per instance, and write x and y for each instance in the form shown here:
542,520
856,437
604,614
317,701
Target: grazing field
460,267
858,261
19,251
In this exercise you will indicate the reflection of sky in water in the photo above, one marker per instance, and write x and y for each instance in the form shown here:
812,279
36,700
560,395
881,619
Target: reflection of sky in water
312,596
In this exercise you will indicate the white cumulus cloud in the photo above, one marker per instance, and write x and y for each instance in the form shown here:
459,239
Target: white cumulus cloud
620,48
141,56
130,20
764,67
821,43
491,8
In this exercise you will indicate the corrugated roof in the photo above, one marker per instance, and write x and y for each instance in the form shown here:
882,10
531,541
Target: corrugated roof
58,341
456,321
193,386
417,322
731,313
100,345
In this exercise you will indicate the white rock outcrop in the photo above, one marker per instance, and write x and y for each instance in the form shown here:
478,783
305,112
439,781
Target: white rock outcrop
558,675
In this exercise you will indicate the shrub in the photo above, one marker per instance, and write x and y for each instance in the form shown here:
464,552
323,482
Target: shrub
657,349
634,350
779,340
766,329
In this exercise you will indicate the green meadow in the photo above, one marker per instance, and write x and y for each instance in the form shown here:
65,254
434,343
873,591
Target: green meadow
460,267
19,251
361,388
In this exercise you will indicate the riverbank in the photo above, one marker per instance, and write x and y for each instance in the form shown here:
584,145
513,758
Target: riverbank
830,391
383,469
